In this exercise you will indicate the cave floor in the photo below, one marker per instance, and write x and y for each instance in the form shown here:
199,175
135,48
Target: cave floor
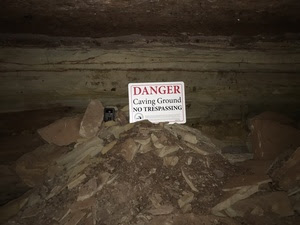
129,188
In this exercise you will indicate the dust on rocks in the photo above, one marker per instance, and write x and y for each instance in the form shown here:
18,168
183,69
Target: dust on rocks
146,173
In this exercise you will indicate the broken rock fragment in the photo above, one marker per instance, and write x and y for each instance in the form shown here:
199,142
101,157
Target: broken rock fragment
167,150
187,208
190,138
33,166
72,173
238,182
193,138
91,148
129,149
55,191
237,158
185,199
287,173
81,205
171,161
257,211
188,181
92,119
75,218
218,173
87,190
108,147
156,141
156,200
275,202
183,132
125,110
145,148
62,132
197,149
162,210
110,123
143,141
121,117
241,194
30,212
76,181
117,130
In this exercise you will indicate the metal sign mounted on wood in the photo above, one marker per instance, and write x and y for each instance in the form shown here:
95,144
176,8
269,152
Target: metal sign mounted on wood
157,102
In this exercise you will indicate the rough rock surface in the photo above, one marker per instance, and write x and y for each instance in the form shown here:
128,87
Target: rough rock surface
286,172
91,18
92,119
62,132
32,166
272,116
275,202
149,174
270,137
127,185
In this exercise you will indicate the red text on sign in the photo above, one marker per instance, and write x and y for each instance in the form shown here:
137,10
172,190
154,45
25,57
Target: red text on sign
150,90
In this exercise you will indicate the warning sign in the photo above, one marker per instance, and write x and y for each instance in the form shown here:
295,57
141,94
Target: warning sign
157,102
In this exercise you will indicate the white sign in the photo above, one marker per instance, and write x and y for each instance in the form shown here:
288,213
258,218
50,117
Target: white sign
157,102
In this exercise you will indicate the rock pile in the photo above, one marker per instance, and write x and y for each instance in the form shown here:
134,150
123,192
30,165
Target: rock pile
138,174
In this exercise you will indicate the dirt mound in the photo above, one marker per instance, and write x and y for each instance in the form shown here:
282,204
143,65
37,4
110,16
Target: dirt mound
150,174
129,175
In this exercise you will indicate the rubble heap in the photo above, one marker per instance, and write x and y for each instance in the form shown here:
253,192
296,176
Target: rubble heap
137,174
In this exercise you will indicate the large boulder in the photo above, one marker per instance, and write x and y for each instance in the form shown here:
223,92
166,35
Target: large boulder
285,170
62,132
92,119
273,116
272,134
